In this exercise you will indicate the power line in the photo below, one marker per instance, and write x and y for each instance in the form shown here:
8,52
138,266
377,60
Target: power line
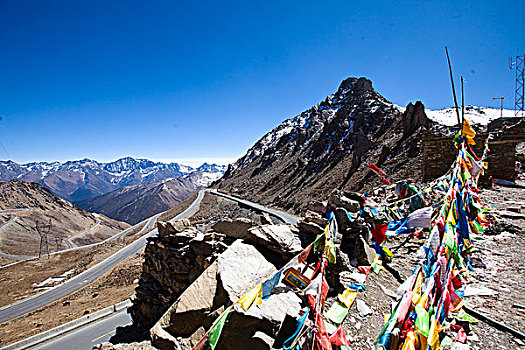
8,156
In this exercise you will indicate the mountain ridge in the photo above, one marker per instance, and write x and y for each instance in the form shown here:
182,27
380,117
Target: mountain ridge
81,179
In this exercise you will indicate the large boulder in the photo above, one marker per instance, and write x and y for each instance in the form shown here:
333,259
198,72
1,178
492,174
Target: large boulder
340,200
234,273
256,328
237,228
282,238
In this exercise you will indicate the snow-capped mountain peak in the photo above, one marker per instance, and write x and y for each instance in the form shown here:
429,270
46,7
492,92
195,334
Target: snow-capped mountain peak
81,179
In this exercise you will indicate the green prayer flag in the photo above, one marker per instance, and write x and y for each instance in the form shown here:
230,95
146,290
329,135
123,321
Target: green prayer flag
464,316
215,332
337,312
422,320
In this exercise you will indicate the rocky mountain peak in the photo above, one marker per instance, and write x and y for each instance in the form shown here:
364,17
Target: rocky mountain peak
324,147
128,163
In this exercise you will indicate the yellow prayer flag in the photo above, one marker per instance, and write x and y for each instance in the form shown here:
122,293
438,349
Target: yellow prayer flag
348,297
327,231
419,282
433,339
247,300
468,131
410,341
330,251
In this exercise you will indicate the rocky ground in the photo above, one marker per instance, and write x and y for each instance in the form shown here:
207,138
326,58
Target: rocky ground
497,288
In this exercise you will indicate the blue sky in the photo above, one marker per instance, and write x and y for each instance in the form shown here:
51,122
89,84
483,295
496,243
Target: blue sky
194,81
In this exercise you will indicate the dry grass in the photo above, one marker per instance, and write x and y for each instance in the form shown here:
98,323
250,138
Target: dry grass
114,286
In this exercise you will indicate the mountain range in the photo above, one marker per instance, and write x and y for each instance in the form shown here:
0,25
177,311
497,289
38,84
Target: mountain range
133,204
81,179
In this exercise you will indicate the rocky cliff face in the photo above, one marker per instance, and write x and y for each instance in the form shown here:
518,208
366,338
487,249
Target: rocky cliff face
327,147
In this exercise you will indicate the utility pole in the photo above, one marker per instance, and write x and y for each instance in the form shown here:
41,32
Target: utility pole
518,64
502,99
43,229
462,104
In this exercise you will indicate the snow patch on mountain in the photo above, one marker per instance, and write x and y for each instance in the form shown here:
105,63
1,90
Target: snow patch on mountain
81,179
475,115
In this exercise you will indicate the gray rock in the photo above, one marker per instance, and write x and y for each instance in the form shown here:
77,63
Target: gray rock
341,201
234,273
354,196
177,226
276,237
310,227
362,308
255,328
315,206
317,218
237,228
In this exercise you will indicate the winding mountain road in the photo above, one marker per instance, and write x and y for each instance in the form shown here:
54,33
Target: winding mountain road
71,244
12,220
79,281
288,218
94,333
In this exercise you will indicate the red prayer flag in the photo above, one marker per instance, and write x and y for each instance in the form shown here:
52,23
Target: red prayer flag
322,340
338,338
304,254
324,292
378,233
364,269
461,336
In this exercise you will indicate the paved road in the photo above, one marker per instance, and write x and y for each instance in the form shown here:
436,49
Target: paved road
23,306
288,218
100,331
86,337
11,220
68,240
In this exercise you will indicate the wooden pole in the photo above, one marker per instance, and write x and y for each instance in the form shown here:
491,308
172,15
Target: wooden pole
462,105
453,88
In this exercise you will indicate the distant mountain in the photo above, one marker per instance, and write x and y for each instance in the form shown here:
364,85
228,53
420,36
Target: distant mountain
82,179
23,203
328,147
133,204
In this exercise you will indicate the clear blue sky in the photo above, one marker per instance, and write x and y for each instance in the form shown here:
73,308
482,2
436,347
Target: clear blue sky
184,80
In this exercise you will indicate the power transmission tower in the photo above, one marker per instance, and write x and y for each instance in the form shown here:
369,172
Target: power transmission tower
519,65
58,241
43,229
